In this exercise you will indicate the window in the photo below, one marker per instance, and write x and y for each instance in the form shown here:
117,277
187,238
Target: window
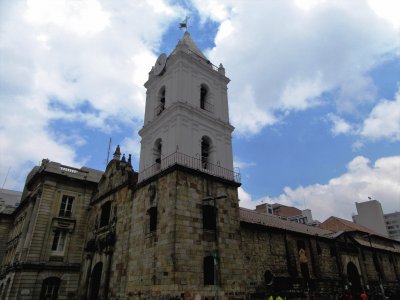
157,150
319,250
209,217
50,288
205,152
66,206
209,271
332,251
161,101
203,96
153,219
59,240
268,277
105,214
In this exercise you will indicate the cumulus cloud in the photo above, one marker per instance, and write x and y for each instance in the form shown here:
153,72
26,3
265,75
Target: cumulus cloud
384,121
280,66
81,62
339,125
380,180
245,199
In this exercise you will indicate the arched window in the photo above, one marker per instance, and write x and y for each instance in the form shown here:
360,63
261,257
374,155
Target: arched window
152,212
157,150
319,250
161,101
95,279
203,96
105,214
209,217
209,271
205,152
268,277
50,288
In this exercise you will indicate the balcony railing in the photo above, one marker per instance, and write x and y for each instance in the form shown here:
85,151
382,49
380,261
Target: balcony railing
178,158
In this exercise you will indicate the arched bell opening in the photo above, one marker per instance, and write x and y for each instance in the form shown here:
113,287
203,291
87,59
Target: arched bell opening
206,149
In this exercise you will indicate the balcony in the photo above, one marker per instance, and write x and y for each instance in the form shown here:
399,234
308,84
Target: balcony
178,158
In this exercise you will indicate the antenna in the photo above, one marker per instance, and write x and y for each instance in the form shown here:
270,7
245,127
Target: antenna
108,151
5,179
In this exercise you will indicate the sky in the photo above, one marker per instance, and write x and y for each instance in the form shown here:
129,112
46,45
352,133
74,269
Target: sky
314,94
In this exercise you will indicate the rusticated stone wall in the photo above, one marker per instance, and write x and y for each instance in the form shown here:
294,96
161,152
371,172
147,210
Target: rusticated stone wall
169,261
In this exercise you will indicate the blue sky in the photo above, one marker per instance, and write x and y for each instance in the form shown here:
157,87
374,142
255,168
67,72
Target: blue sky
314,93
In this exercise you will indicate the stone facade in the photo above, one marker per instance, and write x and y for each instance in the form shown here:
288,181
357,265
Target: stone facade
45,240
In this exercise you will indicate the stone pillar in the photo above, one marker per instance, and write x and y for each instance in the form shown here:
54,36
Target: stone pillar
83,293
107,273
105,276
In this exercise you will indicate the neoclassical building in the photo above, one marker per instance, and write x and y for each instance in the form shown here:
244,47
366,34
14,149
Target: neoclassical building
174,227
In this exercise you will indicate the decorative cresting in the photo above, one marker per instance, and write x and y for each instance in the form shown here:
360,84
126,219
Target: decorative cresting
178,158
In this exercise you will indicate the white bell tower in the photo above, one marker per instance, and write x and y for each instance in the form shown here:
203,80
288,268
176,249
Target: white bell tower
186,118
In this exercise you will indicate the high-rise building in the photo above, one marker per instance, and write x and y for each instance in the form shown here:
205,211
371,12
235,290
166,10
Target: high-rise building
392,221
370,214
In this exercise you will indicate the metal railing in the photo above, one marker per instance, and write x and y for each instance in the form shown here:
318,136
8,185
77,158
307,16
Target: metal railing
178,158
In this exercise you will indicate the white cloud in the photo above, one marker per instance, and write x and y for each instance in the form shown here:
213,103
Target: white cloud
245,199
384,121
337,197
388,10
340,126
75,61
276,65
242,164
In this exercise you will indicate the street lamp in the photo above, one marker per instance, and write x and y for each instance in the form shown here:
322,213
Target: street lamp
216,254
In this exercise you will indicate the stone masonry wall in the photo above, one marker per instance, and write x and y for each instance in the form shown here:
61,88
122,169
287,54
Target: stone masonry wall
169,261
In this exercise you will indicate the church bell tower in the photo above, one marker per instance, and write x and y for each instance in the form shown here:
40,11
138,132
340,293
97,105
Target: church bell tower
185,213
186,118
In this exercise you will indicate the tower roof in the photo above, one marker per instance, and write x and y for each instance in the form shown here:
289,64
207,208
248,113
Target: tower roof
187,43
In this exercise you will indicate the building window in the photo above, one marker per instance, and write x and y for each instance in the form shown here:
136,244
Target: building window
332,251
268,277
161,101
153,219
59,240
319,250
157,151
203,96
205,152
209,271
50,288
66,206
105,214
209,217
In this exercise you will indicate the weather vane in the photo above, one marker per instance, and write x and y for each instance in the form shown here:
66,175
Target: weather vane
184,23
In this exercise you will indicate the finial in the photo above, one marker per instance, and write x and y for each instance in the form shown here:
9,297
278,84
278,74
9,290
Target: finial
221,69
130,159
117,153
184,24
123,158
